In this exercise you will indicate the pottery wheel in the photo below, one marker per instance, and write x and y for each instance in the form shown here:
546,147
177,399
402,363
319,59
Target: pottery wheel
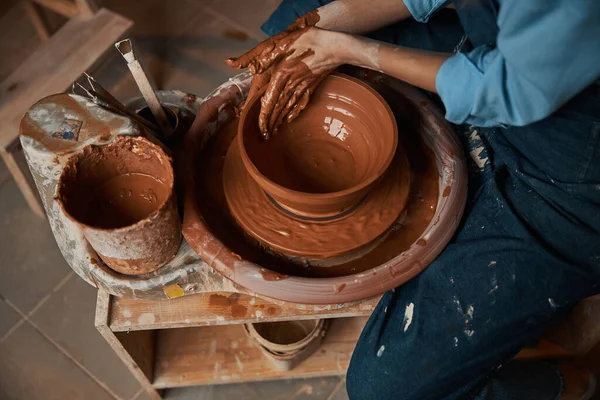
261,217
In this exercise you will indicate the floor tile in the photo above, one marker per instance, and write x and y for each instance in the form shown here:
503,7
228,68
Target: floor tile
68,318
32,264
248,14
22,39
299,389
8,317
196,57
32,368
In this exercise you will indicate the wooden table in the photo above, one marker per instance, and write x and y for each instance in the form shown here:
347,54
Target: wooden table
199,339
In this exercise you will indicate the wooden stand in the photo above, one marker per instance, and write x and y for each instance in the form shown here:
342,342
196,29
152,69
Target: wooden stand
198,339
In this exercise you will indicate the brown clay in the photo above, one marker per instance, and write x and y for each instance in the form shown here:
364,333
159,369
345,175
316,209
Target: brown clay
436,161
287,81
261,218
124,200
121,195
327,159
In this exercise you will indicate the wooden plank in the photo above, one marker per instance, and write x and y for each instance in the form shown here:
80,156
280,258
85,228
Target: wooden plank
130,353
55,65
62,7
36,20
86,7
26,186
224,354
221,309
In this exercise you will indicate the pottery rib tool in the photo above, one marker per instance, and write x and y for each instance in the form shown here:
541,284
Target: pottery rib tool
141,79
104,98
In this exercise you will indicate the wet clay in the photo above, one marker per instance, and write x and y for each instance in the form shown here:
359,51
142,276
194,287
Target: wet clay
344,141
261,218
121,195
125,200
420,208
288,81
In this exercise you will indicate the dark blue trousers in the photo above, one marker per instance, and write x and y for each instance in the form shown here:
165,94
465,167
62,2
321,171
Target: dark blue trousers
527,250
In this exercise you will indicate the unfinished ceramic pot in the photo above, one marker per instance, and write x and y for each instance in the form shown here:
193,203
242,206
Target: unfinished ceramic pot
286,344
326,160
433,211
122,197
316,240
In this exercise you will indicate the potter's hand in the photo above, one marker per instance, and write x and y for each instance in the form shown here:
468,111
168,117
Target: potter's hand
291,65
260,59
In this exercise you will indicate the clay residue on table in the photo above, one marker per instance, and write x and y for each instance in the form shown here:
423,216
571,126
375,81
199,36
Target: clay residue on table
61,108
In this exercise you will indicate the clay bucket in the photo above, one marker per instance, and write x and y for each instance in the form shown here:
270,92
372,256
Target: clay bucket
121,195
287,343
326,160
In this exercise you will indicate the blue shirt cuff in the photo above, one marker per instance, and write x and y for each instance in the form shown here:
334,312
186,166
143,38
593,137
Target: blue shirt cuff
421,10
456,82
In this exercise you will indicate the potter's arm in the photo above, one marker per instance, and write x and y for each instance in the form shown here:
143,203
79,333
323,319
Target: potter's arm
417,67
361,16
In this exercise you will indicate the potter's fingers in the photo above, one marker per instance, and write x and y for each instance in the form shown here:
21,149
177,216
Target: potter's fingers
248,59
258,82
281,108
269,99
298,92
302,101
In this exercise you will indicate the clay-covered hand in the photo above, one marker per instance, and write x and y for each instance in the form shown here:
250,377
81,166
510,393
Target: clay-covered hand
291,65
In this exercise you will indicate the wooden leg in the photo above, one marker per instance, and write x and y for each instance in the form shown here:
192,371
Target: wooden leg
36,19
29,192
135,348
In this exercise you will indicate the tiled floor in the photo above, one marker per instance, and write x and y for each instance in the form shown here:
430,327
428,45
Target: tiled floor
49,348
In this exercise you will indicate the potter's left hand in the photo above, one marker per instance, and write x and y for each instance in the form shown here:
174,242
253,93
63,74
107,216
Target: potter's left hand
309,54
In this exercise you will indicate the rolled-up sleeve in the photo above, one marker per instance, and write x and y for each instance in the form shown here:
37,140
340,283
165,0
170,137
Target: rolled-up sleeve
547,52
421,10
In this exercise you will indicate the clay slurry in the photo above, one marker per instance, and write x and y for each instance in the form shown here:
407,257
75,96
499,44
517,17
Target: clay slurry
125,199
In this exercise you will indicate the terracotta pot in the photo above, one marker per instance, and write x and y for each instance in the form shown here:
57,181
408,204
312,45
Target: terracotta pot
325,161
121,195
287,343
433,212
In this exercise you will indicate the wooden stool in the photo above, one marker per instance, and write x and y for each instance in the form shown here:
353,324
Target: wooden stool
51,69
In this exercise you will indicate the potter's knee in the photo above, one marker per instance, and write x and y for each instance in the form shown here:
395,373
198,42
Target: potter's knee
287,12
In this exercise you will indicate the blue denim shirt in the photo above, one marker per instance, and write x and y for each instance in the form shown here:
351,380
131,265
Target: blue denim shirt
546,52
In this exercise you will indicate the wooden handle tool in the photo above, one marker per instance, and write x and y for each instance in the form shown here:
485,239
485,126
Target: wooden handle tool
141,79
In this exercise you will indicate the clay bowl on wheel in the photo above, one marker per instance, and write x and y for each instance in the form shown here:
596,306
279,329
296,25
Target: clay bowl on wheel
326,160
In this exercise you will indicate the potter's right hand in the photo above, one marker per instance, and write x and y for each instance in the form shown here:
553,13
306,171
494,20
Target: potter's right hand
278,64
